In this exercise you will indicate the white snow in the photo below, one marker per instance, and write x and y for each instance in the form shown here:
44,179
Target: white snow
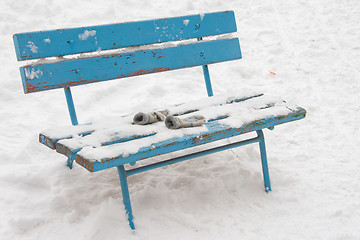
86,34
47,40
31,74
32,46
238,114
314,49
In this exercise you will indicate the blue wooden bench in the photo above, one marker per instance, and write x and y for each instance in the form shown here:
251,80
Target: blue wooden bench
107,152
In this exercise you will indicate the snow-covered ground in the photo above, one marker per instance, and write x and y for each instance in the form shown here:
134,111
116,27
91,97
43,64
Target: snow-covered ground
312,47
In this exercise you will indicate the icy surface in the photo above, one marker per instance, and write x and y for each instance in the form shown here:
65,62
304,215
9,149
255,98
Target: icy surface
86,34
314,50
31,73
33,47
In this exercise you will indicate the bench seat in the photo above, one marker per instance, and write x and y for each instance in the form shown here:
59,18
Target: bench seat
96,147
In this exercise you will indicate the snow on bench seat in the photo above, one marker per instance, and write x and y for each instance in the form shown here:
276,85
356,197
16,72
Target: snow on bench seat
103,145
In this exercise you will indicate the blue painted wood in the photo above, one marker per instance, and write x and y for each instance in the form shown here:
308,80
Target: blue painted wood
264,164
191,156
33,45
126,195
53,142
63,149
215,132
71,107
74,72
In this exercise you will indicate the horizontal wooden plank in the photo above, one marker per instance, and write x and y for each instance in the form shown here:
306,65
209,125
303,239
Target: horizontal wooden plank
51,141
67,73
41,44
215,132
62,148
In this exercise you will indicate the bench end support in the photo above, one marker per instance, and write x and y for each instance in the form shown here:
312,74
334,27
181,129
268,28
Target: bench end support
126,195
264,163
70,162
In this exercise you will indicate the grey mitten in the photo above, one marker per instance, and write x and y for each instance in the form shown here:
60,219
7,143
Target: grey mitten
148,118
176,122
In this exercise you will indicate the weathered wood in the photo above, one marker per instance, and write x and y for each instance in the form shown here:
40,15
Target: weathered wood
215,132
67,148
62,148
41,44
67,73
86,130
51,141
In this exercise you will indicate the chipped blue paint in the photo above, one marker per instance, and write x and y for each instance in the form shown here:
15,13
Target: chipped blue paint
115,139
120,35
51,142
95,69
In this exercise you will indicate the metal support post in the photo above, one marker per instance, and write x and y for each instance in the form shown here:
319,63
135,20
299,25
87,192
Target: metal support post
71,107
126,195
264,163
207,77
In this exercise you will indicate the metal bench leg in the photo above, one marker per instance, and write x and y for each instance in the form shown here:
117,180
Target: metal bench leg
125,193
70,160
264,164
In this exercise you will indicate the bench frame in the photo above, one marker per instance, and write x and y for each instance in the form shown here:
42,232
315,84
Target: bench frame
123,173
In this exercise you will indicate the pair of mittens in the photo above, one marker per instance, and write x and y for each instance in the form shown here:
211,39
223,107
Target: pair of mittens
148,118
171,122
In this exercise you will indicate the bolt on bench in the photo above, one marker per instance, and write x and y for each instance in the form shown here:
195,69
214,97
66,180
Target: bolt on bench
97,147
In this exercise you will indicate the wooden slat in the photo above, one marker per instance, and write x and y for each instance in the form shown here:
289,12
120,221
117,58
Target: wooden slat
67,151
33,45
215,132
51,141
75,72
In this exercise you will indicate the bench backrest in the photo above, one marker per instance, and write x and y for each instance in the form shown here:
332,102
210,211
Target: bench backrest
117,63
71,72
